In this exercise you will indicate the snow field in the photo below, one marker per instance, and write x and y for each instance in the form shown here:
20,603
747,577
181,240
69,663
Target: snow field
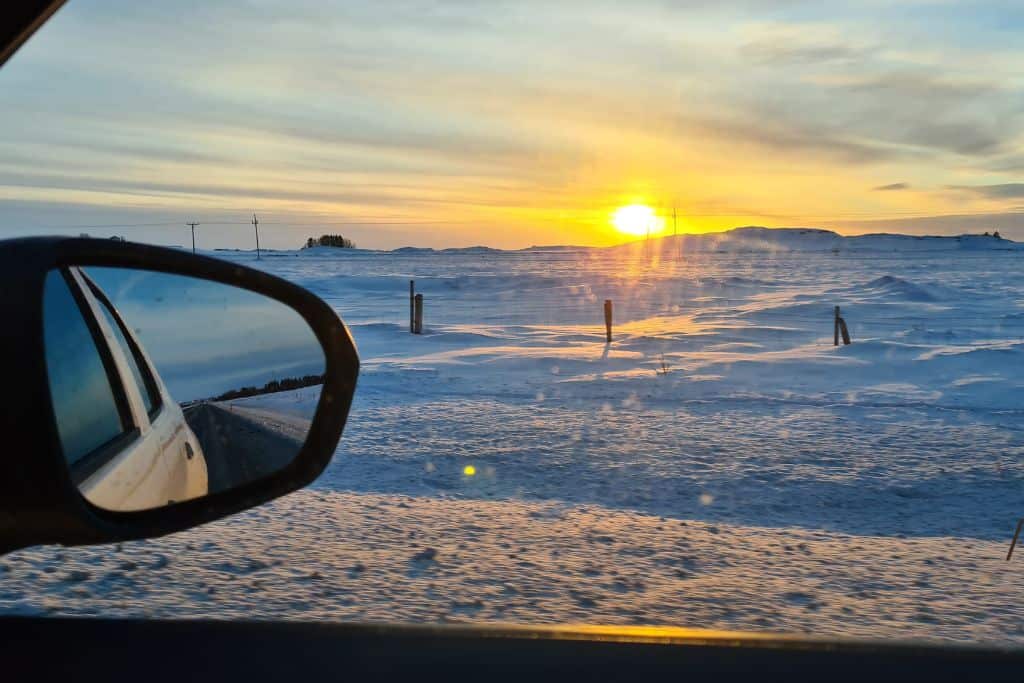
767,481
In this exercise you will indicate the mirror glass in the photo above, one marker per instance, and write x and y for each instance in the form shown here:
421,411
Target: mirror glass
167,388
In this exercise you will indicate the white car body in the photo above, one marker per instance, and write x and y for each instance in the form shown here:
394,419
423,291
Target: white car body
164,463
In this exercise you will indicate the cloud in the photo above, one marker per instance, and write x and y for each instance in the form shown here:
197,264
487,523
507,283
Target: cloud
782,51
1012,162
149,152
909,116
963,137
891,188
929,111
918,83
1000,191
803,137
363,194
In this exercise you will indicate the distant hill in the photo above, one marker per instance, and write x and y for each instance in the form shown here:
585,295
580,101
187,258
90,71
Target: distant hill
470,250
758,239
736,240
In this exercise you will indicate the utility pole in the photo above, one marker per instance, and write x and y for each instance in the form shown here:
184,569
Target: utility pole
256,225
193,226
673,221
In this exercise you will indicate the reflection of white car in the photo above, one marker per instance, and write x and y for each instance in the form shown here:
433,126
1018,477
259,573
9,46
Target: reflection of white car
159,460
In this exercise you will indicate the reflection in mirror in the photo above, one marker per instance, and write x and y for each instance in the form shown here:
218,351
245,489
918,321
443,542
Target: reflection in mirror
167,388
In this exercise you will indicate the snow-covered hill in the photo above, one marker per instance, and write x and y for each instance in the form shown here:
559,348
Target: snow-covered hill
736,240
757,239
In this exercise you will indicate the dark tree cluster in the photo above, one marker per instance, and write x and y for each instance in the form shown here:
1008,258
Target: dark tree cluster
273,386
331,241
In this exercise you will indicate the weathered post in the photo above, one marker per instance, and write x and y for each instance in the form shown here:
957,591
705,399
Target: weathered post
608,319
835,328
1013,544
417,324
839,327
412,295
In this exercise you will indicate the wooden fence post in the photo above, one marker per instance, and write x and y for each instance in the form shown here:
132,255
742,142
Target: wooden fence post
417,323
412,294
839,327
608,319
835,328
1013,544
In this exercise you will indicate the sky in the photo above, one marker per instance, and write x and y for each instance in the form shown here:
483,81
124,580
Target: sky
205,338
510,124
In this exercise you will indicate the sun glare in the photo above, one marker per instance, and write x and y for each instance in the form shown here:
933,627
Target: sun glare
637,219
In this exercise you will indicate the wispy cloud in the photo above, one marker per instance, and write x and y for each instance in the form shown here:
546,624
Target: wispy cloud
772,52
802,44
795,138
1000,191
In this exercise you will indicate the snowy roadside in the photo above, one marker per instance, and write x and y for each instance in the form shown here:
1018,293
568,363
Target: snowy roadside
369,557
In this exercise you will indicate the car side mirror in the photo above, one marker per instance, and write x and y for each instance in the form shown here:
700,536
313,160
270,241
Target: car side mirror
151,390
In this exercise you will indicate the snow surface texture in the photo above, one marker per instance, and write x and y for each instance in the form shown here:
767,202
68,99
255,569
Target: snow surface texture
721,464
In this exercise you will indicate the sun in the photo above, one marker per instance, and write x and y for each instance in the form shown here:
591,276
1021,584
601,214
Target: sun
637,219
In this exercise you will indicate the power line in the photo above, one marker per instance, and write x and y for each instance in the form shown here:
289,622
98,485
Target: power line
372,222
107,225
354,222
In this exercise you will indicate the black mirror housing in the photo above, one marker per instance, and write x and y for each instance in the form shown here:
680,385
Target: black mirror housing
39,502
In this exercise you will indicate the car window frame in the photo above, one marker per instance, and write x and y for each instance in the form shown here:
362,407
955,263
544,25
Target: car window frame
152,388
85,466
